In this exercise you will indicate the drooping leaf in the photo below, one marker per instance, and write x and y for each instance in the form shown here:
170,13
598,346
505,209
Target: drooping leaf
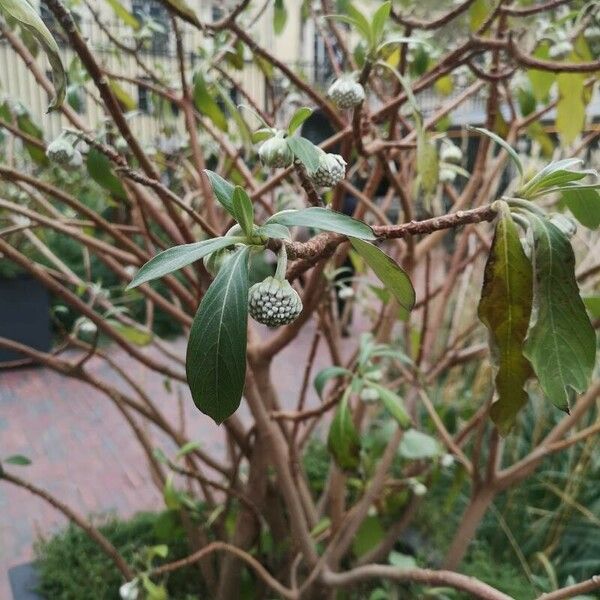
188,448
223,191
369,534
182,8
541,81
416,445
511,151
428,163
216,352
306,152
343,440
570,110
26,125
206,104
244,210
134,335
389,272
584,203
505,309
298,118
178,257
324,218
326,374
280,16
394,404
124,98
561,344
100,169
122,13
29,19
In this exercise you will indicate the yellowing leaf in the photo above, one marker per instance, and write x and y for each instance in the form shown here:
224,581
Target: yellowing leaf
570,110
505,309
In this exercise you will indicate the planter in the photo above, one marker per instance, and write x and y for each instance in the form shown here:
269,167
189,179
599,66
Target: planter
23,582
24,316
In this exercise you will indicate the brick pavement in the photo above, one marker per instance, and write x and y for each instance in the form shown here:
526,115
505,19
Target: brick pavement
83,451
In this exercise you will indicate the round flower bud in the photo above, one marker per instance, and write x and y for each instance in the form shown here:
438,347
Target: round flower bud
447,461
129,590
418,488
374,375
346,92
274,302
561,49
451,153
368,394
345,292
332,169
60,151
275,152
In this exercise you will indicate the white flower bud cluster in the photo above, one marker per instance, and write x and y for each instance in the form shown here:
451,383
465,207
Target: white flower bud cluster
274,302
346,92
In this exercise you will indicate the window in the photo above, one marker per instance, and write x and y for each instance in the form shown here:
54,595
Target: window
156,17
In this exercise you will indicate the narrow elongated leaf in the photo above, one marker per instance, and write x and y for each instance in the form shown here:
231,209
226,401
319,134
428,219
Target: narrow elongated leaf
181,7
362,23
343,440
326,219
382,14
505,309
393,404
125,100
389,272
178,257
244,210
561,343
18,460
298,118
223,191
306,152
26,125
275,231
541,81
206,104
584,203
326,374
511,151
29,19
416,445
216,352
428,163
570,110
280,16
100,169
123,14
559,172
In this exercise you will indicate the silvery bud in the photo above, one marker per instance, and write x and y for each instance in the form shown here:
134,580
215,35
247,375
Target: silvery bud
346,92
368,394
451,153
275,152
332,169
129,590
447,175
60,151
274,302
561,49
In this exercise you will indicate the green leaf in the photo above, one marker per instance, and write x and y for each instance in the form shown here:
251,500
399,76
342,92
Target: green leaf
326,374
557,173
428,164
592,303
511,151
235,114
584,203
244,210
324,218
206,104
505,309
416,445
561,344
177,257
306,152
362,23
369,534
541,81
389,273
298,118
26,125
182,7
153,591
394,404
570,110
125,100
122,13
223,191
100,169
28,19
187,448
216,352
343,440
478,12
18,460
280,16
132,334
275,231
382,14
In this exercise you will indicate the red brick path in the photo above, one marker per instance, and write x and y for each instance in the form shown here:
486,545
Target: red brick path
83,451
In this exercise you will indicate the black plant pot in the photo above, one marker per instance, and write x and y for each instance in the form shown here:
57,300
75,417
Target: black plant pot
24,316
23,582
